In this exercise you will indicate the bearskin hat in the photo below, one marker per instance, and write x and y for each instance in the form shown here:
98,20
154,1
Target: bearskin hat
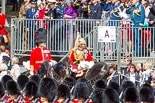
85,81
35,78
5,79
98,95
21,81
146,94
131,95
127,84
69,81
63,91
100,69
31,89
41,35
1,90
115,86
100,84
81,90
12,87
147,85
47,88
111,95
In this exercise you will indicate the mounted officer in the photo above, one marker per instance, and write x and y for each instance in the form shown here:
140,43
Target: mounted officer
80,58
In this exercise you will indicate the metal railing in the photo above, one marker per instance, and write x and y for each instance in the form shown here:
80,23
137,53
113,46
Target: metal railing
61,35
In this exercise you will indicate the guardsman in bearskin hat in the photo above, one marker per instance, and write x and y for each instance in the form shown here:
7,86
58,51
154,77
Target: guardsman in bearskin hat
131,95
2,28
21,81
69,81
111,95
13,91
39,54
146,95
80,57
31,89
124,86
4,81
1,90
63,93
35,78
47,90
98,95
81,92
115,86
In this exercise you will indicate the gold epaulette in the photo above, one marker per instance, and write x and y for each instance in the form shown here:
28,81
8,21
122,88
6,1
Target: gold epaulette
134,11
89,9
113,12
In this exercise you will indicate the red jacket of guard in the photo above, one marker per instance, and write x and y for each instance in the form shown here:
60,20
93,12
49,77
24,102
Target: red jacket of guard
38,56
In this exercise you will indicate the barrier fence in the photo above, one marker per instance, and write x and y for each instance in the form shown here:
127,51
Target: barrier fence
135,42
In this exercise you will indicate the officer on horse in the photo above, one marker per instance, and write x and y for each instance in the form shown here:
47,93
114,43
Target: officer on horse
80,58
40,53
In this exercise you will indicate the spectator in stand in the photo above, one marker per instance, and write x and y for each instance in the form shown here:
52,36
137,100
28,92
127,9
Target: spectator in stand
133,75
127,62
41,14
151,22
113,11
15,70
50,12
60,24
94,10
114,77
15,5
138,16
83,10
146,5
139,68
60,10
32,13
2,53
23,9
147,73
4,66
70,13
126,31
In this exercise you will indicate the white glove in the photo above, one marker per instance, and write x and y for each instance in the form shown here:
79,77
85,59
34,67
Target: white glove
74,70
31,72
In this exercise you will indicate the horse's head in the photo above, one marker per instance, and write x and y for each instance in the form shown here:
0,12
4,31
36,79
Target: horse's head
98,71
43,70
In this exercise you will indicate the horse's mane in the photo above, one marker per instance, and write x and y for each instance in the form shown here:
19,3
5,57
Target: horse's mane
96,69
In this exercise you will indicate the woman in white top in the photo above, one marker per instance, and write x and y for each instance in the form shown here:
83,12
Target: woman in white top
15,70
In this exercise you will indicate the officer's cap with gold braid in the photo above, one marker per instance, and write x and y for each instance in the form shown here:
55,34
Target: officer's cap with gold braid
33,1
69,1
50,2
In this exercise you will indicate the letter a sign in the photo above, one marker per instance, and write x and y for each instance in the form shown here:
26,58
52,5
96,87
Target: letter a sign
106,34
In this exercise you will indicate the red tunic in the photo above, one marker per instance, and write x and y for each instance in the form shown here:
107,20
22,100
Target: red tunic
76,101
2,23
72,58
38,56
